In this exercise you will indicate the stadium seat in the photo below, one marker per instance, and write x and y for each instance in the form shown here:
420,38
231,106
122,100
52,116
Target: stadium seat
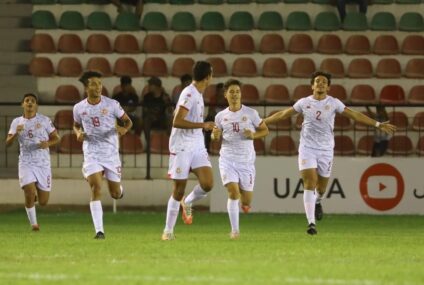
282,145
385,45
239,1
334,66
69,144
211,2
271,43
338,91
181,2
355,21
99,21
244,67
400,145
411,22
415,68
343,146
69,67
277,94
100,64
327,21
330,44
408,1
70,43
342,123
130,144
413,44
365,145
183,22
212,21
156,1
270,21
301,91
155,66
300,43
250,94
126,66
219,66
209,94
267,1
98,43
399,119
392,95
358,44
212,44
67,94
284,125
42,43
298,21
70,2
127,21
159,142
154,21
181,66
71,20
416,95
241,21
183,44
126,43
155,43
360,68
42,19
64,120
259,146
383,21
418,122
363,94
43,2
388,68
302,67
420,146
241,44
274,67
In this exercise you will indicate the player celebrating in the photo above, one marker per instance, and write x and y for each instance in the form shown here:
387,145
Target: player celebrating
36,134
187,149
239,126
95,125
317,140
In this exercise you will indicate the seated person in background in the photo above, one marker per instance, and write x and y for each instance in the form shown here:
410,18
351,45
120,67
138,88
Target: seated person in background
341,6
381,139
138,4
186,80
128,99
217,104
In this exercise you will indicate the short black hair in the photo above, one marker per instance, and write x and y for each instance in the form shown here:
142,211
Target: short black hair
126,80
87,75
155,81
321,73
30,95
230,82
201,70
185,77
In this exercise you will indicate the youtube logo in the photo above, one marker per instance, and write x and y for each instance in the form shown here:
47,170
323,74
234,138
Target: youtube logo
382,186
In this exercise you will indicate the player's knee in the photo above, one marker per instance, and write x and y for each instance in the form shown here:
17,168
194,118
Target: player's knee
178,195
207,186
234,195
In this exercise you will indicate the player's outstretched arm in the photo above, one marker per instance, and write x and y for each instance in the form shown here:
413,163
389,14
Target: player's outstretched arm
364,119
280,115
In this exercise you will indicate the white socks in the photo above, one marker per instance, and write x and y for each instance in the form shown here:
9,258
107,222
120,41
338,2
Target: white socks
318,197
32,217
233,214
97,215
195,195
171,214
309,202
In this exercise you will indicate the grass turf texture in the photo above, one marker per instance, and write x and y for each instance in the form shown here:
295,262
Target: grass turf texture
273,249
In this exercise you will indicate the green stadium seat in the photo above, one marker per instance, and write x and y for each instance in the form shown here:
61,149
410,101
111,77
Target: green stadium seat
383,2
239,1
71,20
383,21
298,21
181,2
355,21
155,21
327,21
99,21
241,21
270,21
211,2
156,1
43,20
267,1
97,2
43,2
183,22
70,2
408,1
411,22
295,1
212,21
127,21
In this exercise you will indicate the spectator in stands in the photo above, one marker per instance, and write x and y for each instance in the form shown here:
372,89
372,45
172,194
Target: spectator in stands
381,139
186,80
138,4
128,99
341,6
217,104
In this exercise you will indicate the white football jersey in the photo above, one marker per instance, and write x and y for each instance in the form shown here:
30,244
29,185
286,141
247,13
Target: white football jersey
318,121
36,129
99,123
189,139
235,147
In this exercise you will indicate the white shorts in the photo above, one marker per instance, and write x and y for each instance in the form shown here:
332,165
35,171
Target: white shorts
111,171
42,176
315,158
236,172
182,162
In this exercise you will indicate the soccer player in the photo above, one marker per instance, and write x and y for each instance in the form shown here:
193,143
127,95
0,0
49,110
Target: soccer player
36,134
187,149
317,140
95,125
239,125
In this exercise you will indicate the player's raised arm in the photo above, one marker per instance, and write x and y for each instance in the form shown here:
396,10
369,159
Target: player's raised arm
364,119
280,115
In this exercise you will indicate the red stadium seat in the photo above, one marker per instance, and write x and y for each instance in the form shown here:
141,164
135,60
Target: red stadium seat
100,64
70,43
339,92
386,44
271,43
420,146
283,145
343,146
302,67
388,68
284,125
155,66
300,43
212,44
126,43
244,67
259,146
64,120
392,95
155,43
342,123
69,144
363,94
42,43
360,68
183,44
67,94
301,91
159,142
330,44
358,44
126,66
400,145
334,66
274,67
181,66
69,67
416,95
413,44
242,44
399,119
365,145
415,68
277,94
41,67
98,43
130,144
219,66
250,94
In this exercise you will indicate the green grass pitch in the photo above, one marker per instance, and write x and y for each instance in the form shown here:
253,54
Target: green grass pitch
273,249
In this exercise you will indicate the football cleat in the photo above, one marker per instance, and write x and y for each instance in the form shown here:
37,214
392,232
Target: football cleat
35,228
168,236
319,213
187,213
99,235
245,208
311,229
234,235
